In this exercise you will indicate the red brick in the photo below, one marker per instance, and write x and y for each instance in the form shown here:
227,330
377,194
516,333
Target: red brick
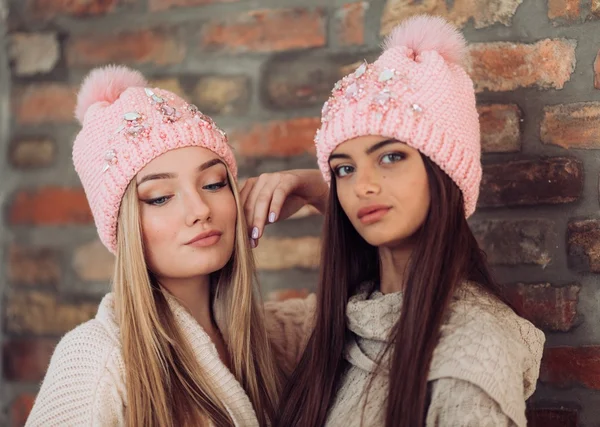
531,182
276,254
158,5
516,241
551,308
500,128
350,24
44,313
505,66
32,153
267,31
571,366
460,12
285,294
34,53
149,46
572,125
50,206
583,245
26,359
552,417
597,69
302,79
596,8
33,266
277,139
222,94
564,9
20,409
48,9
40,103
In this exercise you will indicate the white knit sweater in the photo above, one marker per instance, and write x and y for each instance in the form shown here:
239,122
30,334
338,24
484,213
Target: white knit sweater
485,365
483,369
85,382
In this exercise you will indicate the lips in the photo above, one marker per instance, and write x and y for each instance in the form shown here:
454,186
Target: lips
207,238
372,214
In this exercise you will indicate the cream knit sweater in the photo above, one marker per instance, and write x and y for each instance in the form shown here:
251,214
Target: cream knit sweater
85,382
484,367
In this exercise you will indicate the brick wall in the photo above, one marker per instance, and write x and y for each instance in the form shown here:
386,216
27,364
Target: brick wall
263,69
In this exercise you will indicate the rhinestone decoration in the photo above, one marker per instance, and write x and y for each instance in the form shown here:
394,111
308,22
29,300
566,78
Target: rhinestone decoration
110,159
381,88
386,75
360,70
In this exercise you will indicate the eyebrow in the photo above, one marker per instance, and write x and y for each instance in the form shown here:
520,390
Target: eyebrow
202,167
369,150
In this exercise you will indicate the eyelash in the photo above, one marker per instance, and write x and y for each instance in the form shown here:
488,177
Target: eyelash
400,156
165,199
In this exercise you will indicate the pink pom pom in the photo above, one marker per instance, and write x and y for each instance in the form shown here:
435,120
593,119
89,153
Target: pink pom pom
425,33
106,84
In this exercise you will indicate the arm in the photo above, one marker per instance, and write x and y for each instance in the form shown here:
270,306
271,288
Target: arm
289,326
79,388
458,403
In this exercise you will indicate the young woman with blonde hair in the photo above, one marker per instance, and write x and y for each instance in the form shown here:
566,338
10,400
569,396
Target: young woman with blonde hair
181,339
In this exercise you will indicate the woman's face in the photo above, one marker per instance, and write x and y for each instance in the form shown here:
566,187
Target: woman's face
188,213
382,186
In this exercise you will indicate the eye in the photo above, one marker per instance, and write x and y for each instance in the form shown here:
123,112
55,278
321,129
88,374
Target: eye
343,170
159,201
216,186
392,158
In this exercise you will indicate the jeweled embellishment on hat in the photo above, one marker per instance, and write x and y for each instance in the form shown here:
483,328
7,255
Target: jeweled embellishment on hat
110,159
170,114
361,70
383,97
154,98
130,117
416,108
386,75
134,125
351,91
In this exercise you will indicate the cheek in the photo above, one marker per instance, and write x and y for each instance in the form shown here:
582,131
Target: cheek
158,228
223,210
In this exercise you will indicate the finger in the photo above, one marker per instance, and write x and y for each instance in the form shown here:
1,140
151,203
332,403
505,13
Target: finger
263,204
280,195
246,189
251,201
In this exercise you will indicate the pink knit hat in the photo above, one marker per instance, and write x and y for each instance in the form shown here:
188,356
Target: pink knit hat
125,126
416,92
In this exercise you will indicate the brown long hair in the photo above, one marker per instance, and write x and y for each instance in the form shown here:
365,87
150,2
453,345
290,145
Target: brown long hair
445,254
165,385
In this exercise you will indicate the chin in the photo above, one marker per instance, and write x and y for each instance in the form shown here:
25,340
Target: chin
384,237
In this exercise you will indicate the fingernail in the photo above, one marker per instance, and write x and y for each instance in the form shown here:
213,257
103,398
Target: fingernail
255,233
272,217
252,243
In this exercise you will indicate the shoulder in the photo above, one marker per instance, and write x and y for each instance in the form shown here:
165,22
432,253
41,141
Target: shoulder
289,325
83,375
485,343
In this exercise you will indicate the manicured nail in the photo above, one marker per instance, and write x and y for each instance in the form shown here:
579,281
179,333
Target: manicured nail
272,217
252,243
255,233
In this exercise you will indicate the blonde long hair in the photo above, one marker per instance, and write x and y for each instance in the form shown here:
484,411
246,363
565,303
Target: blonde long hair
165,384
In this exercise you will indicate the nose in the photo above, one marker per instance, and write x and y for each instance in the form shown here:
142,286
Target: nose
366,182
196,209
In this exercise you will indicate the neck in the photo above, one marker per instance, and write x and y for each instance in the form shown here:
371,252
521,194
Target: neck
194,296
394,262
